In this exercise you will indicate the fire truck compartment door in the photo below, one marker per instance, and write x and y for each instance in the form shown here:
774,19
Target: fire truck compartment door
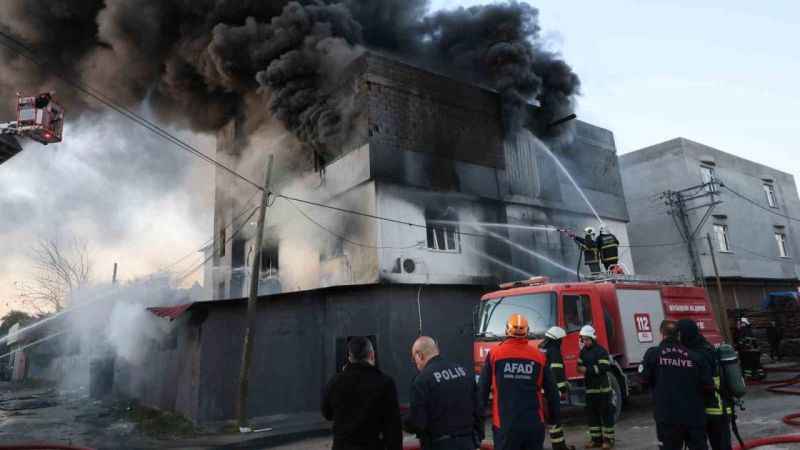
641,312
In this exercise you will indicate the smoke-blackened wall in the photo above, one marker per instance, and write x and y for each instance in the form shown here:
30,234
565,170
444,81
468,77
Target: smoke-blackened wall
202,62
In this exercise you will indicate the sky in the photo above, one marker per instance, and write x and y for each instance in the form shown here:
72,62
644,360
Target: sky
723,73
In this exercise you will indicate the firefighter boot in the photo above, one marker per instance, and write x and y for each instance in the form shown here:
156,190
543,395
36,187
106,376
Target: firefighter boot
608,443
562,446
591,443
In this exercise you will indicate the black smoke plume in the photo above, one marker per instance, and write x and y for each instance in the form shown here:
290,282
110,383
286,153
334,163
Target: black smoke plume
200,62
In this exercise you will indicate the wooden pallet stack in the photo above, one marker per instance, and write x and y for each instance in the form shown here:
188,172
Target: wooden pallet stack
760,320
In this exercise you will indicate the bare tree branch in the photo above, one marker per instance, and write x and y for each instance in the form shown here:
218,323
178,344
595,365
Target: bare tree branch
58,269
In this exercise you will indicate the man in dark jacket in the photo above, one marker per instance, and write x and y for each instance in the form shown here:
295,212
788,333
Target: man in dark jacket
680,380
362,403
595,363
607,247
443,409
521,388
718,405
551,347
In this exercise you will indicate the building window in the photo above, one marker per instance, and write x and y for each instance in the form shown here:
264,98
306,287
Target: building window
222,239
709,176
442,231
769,190
721,232
577,312
780,238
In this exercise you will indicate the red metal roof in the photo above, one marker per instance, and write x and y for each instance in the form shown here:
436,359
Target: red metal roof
170,312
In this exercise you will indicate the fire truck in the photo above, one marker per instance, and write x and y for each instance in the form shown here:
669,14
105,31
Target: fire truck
626,313
39,118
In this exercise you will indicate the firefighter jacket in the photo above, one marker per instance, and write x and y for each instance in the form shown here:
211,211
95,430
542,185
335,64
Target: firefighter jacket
555,362
443,403
681,380
597,363
362,403
608,248
587,244
516,375
692,339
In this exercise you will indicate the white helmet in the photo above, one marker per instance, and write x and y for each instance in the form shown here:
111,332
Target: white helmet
603,228
588,331
555,333
745,321
589,230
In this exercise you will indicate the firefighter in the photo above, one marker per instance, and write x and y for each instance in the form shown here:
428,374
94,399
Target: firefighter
719,405
774,337
551,346
516,375
588,246
749,351
607,246
680,380
443,409
595,363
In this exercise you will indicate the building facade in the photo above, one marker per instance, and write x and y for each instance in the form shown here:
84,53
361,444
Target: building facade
749,212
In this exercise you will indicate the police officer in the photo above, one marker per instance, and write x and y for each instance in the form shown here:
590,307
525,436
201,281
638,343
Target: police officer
588,246
680,380
551,347
595,364
444,410
516,375
719,405
607,246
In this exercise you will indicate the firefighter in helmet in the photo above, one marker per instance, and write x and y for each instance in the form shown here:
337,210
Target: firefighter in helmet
595,364
515,374
607,246
551,347
588,245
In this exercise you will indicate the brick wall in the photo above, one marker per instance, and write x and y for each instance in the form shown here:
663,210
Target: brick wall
417,110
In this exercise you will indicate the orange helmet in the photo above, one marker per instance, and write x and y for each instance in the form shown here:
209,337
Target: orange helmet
517,326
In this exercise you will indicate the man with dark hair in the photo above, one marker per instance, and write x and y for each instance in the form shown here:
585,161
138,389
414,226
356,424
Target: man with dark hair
443,410
680,380
362,403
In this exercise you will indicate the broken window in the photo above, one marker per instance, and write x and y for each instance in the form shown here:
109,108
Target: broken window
442,230
269,261
709,177
769,190
721,232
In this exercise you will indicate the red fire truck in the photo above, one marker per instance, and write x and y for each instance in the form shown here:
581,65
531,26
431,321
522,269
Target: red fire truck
625,312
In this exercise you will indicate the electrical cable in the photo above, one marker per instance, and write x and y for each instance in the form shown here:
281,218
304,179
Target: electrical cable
207,259
343,238
755,203
26,52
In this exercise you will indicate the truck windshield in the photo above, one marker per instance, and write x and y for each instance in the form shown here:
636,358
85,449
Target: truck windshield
539,309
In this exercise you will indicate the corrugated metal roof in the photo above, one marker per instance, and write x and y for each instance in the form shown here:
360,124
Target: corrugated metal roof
170,312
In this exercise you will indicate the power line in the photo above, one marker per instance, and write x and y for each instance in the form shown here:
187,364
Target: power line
26,52
755,203
343,238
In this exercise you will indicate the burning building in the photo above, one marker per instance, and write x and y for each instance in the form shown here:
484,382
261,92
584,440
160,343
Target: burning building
450,201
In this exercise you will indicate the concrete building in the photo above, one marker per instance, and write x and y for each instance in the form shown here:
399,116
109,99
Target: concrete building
454,192
754,227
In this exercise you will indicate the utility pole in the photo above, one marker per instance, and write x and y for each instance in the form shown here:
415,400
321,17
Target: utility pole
681,203
722,311
114,276
249,332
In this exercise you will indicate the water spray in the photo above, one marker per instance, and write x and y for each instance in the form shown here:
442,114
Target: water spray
36,342
531,252
496,261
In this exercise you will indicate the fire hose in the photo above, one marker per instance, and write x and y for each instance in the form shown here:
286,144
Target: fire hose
782,386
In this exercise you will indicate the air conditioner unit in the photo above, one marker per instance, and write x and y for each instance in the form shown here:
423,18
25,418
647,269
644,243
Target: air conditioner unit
404,265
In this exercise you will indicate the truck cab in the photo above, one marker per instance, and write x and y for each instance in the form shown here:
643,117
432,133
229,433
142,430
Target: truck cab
625,314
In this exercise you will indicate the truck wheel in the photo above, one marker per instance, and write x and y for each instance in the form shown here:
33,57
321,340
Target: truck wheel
616,396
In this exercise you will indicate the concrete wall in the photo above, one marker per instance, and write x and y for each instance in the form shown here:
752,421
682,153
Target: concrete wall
675,165
295,342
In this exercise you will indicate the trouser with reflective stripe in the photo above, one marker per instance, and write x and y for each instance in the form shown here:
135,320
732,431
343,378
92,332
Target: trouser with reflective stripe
601,416
718,429
556,434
